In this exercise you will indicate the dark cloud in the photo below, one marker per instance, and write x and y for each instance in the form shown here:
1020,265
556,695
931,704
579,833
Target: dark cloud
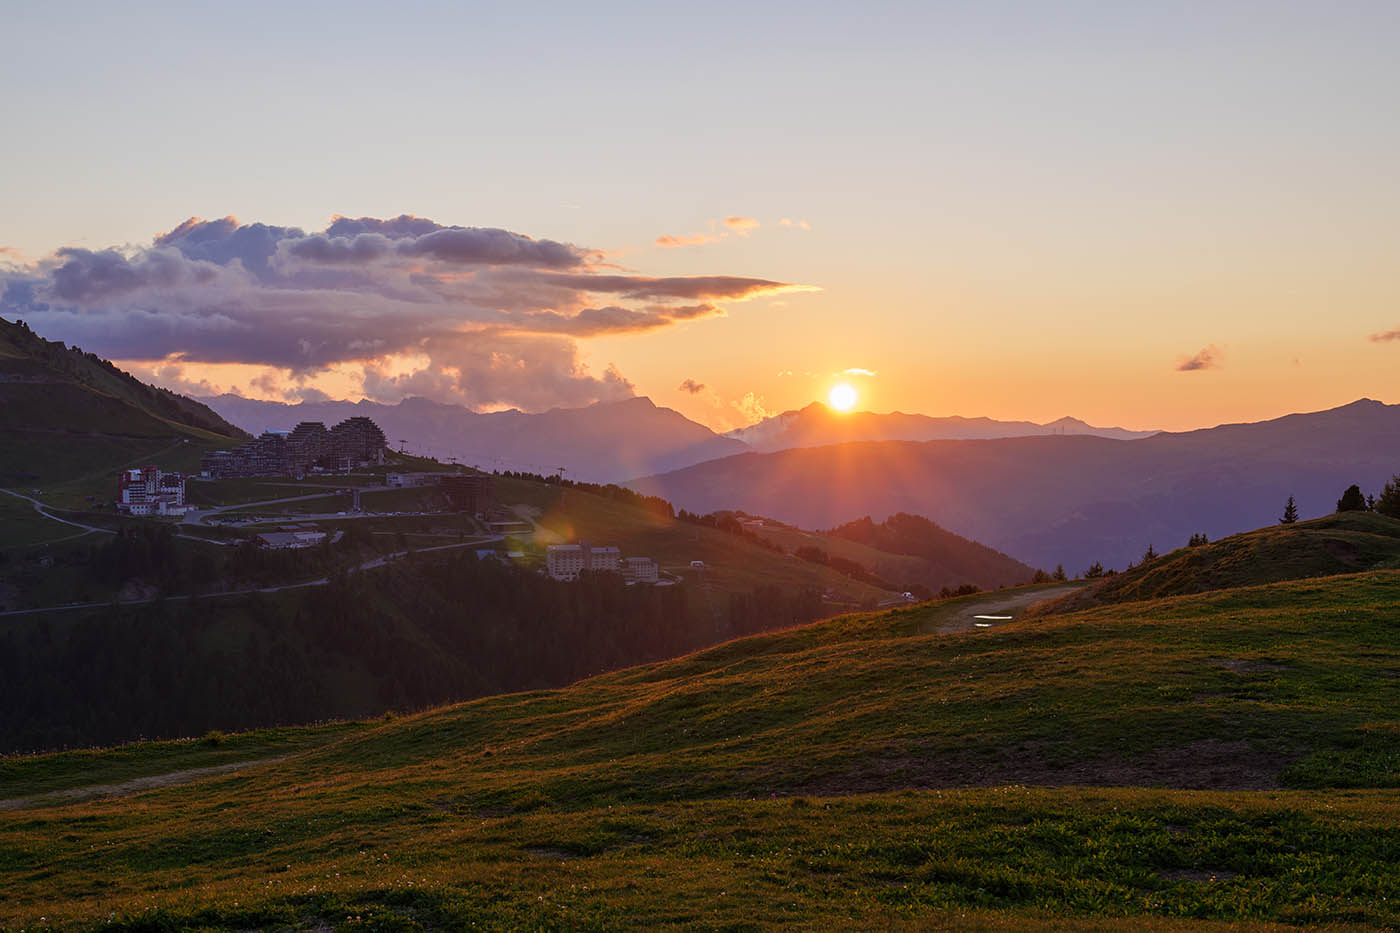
1209,358
83,275
592,322
692,287
404,225
691,386
361,248
224,240
1386,336
488,315
490,247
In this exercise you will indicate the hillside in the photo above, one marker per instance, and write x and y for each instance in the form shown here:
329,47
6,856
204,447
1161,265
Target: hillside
855,773
68,413
1064,499
274,637
817,426
1343,543
603,442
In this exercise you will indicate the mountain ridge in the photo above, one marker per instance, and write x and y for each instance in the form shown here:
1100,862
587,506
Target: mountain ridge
1069,499
817,425
602,442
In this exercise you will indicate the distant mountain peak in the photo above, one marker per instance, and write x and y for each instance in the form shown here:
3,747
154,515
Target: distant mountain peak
817,425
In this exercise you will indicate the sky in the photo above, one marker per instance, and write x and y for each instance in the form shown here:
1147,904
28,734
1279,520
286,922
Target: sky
1149,215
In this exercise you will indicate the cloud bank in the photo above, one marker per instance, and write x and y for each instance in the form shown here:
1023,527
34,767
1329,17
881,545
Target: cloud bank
489,316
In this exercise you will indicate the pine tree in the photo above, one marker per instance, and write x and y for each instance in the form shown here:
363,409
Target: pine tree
1149,555
1388,503
1094,572
1352,500
1059,574
1290,513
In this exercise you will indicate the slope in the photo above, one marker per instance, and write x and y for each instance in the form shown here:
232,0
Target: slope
681,792
66,413
1343,543
1064,499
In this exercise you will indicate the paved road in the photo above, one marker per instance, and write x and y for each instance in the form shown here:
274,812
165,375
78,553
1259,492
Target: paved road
197,516
40,508
89,529
370,564
995,604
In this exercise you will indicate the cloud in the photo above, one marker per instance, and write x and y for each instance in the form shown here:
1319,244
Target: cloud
799,224
693,287
857,371
594,322
751,407
1208,358
666,241
494,313
491,247
691,386
735,224
1386,336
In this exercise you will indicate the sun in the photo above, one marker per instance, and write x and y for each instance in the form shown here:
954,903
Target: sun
842,397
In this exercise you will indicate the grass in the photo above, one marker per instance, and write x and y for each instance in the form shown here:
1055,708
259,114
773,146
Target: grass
1343,543
30,775
852,773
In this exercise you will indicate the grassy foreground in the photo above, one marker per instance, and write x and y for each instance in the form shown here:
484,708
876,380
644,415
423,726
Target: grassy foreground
851,773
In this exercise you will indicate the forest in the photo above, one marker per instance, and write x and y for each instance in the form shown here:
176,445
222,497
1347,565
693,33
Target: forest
427,630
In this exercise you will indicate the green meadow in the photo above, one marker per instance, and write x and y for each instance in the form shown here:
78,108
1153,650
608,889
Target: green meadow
1226,757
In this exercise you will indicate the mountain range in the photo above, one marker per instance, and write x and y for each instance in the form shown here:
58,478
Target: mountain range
817,425
616,441
1068,499
603,442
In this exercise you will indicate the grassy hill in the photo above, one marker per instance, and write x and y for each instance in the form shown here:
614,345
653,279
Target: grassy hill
1343,543
1140,764
733,564
73,417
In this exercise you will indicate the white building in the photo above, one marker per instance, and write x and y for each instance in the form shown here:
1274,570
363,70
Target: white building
148,491
639,570
567,561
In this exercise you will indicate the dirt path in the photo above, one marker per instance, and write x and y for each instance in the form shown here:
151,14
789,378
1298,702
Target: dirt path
125,788
995,604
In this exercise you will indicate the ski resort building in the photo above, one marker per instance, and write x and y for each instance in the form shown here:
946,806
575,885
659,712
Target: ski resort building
354,442
148,491
639,570
567,561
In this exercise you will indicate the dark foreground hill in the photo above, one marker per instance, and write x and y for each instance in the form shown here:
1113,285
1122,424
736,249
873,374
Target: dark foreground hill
64,412
1133,766
1065,499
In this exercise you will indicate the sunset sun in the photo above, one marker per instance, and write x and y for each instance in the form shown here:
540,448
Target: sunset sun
842,397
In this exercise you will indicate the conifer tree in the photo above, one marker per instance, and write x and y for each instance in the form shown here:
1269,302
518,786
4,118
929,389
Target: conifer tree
1059,574
1352,500
1290,513
1388,503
